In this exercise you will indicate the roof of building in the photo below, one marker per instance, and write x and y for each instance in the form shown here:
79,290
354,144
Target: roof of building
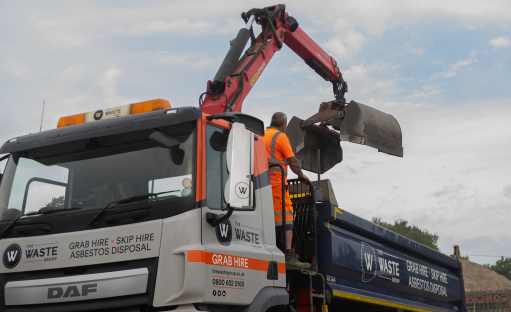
478,278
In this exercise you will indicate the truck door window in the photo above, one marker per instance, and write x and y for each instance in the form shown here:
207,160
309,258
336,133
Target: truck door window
216,174
216,166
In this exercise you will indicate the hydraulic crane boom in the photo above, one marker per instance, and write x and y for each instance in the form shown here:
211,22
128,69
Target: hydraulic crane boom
236,77
353,122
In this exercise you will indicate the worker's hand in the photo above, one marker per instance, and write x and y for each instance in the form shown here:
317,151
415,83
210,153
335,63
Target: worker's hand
303,176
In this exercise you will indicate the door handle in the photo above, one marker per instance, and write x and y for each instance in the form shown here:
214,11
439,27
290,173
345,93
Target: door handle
129,216
40,228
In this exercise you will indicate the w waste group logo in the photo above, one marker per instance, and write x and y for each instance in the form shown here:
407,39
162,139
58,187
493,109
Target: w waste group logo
224,233
12,256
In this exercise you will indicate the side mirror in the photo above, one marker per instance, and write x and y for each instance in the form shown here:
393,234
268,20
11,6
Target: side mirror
240,160
238,189
163,140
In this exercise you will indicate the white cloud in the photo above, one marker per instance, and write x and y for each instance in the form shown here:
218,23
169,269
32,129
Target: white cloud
75,71
170,58
375,17
232,26
408,46
346,46
48,23
108,83
453,68
158,26
427,91
16,68
298,67
500,42
62,34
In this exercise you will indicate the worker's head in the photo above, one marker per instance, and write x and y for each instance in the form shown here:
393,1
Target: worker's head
279,121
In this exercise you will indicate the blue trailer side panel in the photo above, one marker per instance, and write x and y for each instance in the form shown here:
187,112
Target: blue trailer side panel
363,261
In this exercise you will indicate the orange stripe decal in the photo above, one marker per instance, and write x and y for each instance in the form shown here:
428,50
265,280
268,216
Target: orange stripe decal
282,267
236,262
196,255
231,261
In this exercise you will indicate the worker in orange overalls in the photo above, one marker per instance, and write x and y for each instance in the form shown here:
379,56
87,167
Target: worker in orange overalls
279,151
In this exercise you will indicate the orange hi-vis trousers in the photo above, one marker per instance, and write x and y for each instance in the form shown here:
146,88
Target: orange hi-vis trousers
277,207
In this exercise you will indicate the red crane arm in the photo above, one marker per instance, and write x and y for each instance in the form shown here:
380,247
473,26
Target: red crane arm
236,76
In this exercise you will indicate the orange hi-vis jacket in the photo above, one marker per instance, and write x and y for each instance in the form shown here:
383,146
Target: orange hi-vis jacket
278,149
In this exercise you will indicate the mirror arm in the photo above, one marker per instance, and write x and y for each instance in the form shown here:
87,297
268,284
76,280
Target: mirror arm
213,219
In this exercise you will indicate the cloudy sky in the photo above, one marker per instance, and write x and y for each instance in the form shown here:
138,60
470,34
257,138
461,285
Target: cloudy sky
441,68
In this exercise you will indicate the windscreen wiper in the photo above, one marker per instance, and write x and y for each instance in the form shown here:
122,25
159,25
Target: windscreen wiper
43,211
125,201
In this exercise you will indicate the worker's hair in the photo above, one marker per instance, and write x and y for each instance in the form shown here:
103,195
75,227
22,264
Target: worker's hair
278,119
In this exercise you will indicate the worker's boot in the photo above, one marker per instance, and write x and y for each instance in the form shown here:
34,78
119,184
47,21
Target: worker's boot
292,260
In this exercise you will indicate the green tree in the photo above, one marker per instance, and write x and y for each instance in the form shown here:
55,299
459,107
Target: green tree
410,231
502,266
57,202
465,258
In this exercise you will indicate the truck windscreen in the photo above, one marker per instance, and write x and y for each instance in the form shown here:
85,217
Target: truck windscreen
89,174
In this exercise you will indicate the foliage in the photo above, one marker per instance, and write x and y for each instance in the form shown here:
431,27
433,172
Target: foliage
57,202
410,231
465,258
502,266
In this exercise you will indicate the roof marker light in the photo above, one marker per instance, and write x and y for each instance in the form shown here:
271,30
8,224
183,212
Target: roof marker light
130,109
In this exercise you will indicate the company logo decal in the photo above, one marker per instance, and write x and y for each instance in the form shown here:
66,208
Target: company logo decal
98,115
257,74
376,263
254,79
71,291
242,190
12,256
224,232
368,263
245,235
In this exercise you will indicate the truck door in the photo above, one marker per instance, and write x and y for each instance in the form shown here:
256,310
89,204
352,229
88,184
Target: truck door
235,255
